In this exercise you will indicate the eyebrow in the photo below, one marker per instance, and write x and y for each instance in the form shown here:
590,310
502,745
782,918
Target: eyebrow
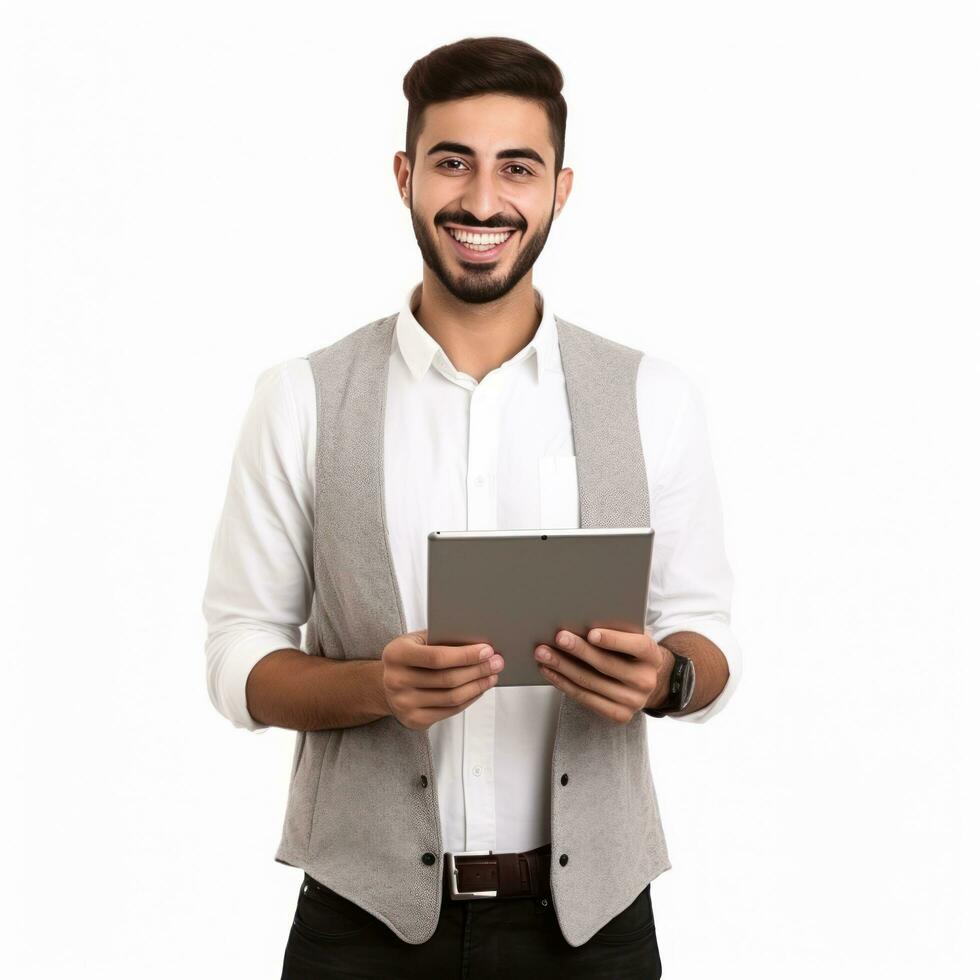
521,152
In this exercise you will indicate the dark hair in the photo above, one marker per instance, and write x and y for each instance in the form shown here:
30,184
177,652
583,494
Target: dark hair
480,65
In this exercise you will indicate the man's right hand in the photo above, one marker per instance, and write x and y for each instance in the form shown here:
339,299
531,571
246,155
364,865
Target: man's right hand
424,684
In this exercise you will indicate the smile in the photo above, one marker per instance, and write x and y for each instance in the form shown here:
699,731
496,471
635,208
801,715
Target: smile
478,247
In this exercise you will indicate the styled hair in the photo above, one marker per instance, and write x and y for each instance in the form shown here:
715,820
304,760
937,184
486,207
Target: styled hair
480,65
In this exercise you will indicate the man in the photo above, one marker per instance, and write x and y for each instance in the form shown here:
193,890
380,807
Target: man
475,407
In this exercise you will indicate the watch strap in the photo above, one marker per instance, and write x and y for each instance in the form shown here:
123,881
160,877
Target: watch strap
675,687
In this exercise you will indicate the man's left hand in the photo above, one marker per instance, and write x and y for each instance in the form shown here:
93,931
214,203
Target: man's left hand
611,672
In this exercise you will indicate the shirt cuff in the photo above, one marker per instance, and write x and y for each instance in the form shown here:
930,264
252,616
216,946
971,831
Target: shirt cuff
721,635
231,658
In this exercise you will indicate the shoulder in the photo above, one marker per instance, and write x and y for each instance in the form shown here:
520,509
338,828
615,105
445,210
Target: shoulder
663,388
283,411
286,385
669,409
591,344
351,344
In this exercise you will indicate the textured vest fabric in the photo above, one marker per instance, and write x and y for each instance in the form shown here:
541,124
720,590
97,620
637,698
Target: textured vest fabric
359,816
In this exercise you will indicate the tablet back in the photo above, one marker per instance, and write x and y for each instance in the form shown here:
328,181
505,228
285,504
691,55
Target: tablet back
516,589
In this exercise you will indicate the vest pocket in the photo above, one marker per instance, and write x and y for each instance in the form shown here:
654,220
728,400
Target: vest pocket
558,480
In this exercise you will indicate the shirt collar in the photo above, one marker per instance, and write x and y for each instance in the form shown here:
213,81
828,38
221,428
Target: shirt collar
418,347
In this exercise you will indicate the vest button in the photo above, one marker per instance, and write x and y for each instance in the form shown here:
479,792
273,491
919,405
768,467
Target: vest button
564,779
563,860
425,780
428,858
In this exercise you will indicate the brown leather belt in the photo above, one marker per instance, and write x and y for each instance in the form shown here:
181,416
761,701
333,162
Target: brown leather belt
484,874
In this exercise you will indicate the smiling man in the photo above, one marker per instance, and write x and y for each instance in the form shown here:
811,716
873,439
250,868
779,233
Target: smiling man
446,828
479,261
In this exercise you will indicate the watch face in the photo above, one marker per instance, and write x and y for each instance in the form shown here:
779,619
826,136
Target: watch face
687,687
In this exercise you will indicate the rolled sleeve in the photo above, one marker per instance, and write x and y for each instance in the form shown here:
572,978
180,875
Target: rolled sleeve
260,576
231,655
719,632
691,581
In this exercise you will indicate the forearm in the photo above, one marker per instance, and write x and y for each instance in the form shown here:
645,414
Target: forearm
291,689
710,670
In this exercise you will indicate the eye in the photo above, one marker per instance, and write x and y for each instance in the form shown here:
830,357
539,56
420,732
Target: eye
520,166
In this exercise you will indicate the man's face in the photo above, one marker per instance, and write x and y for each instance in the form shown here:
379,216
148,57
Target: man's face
483,165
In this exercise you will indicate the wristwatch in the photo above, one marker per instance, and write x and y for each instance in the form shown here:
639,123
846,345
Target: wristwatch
680,688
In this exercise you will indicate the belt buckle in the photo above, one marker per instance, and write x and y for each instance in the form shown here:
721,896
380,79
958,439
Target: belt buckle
454,891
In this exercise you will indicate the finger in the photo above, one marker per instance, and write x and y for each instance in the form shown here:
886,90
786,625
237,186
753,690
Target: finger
586,677
429,716
634,644
627,668
420,677
589,699
441,656
450,697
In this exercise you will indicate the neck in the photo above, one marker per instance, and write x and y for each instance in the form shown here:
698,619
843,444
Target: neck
478,337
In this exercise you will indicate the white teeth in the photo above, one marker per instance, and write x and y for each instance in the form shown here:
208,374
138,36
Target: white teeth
481,242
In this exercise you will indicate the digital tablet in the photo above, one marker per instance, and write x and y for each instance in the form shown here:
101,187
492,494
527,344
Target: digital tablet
516,589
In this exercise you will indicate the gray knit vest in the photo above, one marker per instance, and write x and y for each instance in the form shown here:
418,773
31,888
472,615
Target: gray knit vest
362,814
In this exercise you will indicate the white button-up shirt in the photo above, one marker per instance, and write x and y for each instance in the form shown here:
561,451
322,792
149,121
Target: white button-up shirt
462,455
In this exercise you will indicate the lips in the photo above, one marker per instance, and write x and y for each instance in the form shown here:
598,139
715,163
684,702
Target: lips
469,255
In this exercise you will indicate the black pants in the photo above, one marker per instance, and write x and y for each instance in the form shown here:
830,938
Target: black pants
479,939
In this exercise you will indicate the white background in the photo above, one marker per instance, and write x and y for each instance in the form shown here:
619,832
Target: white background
781,198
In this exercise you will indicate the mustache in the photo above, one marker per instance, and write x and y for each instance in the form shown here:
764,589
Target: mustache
477,227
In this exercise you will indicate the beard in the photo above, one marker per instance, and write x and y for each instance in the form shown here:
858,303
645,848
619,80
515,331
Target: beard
478,282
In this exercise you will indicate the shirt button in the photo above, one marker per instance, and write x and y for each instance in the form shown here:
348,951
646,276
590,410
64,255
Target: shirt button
477,770
425,780
480,481
563,860
564,778
428,858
